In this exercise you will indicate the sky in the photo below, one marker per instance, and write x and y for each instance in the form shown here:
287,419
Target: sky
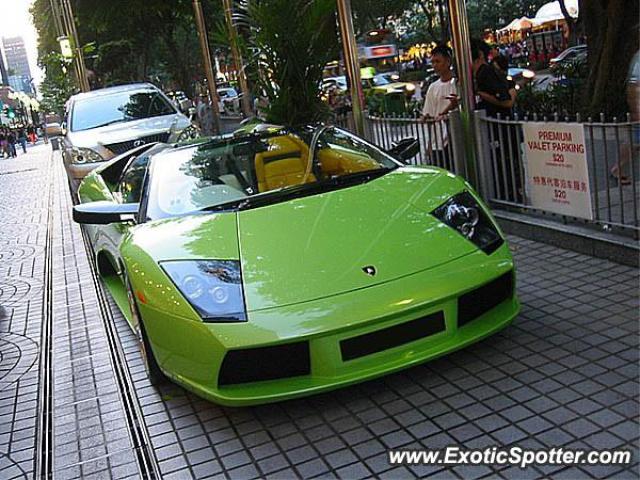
16,21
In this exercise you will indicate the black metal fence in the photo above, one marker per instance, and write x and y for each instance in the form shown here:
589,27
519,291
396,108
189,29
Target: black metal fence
437,138
499,171
611,150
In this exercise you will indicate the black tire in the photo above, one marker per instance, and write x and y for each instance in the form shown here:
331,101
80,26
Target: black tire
154,373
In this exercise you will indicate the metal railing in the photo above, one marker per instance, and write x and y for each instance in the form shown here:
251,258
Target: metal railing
502,164
438,139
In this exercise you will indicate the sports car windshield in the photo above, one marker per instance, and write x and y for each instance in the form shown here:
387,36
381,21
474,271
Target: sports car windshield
257,170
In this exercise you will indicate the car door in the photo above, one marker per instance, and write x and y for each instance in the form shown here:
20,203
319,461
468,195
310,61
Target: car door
125,188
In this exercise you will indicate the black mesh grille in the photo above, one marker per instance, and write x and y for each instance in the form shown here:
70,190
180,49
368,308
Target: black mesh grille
476,302
122,147
395,336
265,363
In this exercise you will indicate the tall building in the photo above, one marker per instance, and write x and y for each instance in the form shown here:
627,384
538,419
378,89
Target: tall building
17,63
4,80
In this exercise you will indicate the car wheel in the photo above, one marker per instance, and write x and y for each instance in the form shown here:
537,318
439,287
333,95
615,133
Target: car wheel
154,373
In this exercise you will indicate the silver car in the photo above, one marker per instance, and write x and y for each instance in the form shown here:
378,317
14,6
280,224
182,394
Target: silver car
104,123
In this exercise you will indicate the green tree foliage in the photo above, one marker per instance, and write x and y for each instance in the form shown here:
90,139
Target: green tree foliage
373,14
58,85
495,14
109,60
425,21
152,40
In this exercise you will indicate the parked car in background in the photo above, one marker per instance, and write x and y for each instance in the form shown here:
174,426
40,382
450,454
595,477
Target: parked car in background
383,83
520,75
568,56
181,101
229,100
334,82
103,123
389,83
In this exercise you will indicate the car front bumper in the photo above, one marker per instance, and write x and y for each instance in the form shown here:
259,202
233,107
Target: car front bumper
193,353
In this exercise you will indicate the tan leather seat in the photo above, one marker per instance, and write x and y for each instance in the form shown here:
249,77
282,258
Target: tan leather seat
285,164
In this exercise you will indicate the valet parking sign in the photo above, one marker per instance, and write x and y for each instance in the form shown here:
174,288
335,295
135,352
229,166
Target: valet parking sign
557,173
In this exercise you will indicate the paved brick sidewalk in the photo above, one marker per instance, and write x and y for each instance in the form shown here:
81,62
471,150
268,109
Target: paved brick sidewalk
565,374
24,185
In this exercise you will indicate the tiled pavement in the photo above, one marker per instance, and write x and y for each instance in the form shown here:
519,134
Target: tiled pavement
565,374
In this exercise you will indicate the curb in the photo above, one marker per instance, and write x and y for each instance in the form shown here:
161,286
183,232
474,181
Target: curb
576,238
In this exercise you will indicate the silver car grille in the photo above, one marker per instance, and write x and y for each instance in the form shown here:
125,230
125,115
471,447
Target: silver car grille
121,147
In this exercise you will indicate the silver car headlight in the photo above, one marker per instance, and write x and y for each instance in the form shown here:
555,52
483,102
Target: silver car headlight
189,133
212,287
85,155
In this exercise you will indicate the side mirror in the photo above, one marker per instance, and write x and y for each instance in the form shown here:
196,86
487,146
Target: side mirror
405,149
103,212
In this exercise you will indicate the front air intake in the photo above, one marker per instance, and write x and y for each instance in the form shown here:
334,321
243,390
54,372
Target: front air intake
265,363
394,336
479,301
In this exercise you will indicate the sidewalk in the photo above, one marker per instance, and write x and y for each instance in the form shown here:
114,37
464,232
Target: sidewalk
565,374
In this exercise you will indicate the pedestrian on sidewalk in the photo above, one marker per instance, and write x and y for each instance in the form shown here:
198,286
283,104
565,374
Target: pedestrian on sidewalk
3,141
626,149
11,143
31,133
22,138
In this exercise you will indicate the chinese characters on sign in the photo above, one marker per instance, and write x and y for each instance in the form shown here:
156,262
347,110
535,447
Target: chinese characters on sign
557,173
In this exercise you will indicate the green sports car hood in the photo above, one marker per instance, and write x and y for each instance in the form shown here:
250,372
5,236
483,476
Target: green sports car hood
318,246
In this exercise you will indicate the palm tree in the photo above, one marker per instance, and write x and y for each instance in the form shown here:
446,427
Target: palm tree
287,43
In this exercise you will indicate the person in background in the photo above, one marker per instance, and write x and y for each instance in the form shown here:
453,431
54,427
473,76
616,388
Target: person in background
22,138
3,141
31,134
496,99
11,143
491,87
501,64
633,100
440,99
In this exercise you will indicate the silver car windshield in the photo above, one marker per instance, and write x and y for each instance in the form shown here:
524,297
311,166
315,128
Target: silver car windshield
102,110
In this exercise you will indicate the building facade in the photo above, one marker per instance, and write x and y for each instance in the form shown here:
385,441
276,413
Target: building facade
17,63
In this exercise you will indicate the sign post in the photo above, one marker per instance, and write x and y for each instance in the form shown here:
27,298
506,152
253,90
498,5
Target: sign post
557,171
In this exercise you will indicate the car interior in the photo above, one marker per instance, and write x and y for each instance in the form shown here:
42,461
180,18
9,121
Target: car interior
216,174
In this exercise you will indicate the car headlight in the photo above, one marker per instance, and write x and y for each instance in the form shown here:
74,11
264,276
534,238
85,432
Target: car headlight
411,87
188,133
463,213
212,287
85,155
